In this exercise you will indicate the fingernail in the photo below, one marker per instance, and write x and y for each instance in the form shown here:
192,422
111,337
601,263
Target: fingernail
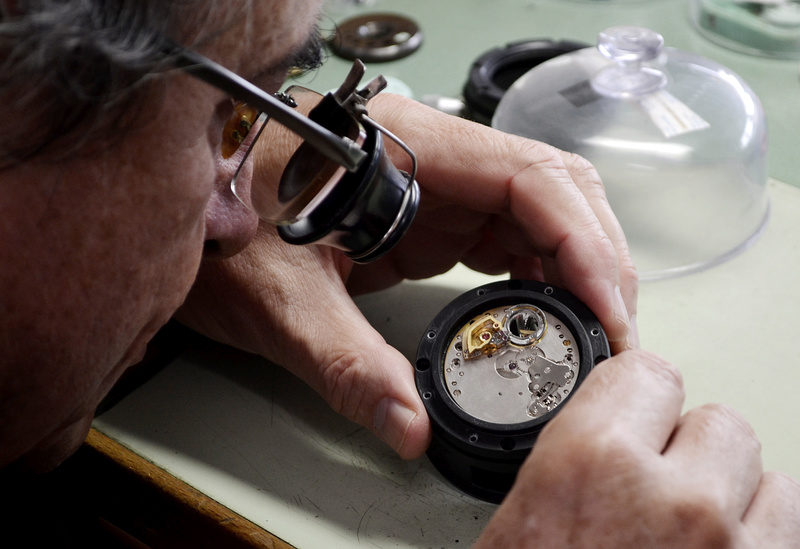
633,334
620,309
631,338
392,420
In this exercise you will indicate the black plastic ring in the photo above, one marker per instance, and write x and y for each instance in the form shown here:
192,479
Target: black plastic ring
478,457
496,70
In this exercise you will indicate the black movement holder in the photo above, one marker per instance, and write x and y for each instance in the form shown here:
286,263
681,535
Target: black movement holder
532,329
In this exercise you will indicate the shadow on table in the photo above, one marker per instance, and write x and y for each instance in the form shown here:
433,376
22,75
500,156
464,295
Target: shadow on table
263,443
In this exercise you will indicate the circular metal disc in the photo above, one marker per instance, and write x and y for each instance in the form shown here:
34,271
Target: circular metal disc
515,383
376,38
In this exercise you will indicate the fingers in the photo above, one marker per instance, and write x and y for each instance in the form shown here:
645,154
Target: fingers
363,378
352,367
594,191
561,207
620,467
597,466
710,449
700,473
556,199
289,304
717,452
714,457
773,519
632,400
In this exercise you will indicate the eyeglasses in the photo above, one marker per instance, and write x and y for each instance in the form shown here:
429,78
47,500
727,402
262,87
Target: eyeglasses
328,178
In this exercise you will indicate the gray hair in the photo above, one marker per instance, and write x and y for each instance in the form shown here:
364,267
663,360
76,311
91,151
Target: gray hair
69,64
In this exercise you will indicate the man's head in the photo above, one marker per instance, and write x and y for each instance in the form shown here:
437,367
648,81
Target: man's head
111,187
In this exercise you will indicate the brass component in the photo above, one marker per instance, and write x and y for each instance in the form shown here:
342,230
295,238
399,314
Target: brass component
483,336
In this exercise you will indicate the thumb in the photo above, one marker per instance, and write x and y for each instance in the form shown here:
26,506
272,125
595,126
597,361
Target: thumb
362,377
290,305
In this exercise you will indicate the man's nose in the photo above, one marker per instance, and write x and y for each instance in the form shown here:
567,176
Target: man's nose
230,225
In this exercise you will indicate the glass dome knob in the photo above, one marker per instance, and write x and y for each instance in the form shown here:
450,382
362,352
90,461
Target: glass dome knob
630,44
633,50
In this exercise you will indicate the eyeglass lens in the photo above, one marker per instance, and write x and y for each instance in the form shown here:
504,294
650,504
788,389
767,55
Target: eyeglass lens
289,176
239,126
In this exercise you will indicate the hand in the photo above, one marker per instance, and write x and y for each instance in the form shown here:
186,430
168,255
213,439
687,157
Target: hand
501,203
496,202
290,305
620,466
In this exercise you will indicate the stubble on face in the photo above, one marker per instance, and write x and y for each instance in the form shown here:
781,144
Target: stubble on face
100,251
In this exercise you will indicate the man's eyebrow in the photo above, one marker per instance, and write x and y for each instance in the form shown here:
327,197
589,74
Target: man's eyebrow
309,56
306,57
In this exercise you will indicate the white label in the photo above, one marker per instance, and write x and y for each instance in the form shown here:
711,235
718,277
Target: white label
671,115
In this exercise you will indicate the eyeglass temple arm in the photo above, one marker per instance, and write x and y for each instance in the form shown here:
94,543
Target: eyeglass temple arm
341,150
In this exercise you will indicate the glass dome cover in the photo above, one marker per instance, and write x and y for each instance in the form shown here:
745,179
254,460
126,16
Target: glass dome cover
679,141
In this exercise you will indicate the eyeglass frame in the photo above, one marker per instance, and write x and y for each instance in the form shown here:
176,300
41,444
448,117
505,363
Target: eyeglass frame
342,150
339,149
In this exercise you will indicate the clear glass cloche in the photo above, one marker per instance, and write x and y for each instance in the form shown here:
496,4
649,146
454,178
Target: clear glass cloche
679,141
